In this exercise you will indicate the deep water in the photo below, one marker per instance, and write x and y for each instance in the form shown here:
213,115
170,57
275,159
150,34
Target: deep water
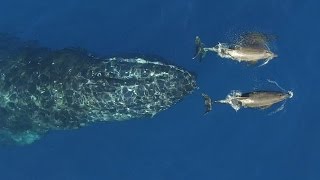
181,143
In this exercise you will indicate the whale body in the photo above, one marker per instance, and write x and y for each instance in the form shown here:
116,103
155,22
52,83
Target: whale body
43,89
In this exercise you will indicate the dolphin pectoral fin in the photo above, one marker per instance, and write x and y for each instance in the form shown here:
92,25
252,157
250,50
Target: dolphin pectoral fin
200,52
252,63
277,110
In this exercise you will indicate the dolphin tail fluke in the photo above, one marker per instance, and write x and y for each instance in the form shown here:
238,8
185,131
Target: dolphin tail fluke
207,103
200,51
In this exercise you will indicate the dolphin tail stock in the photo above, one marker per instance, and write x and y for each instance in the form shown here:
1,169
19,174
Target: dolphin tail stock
200,50
208,102
231,100
235,104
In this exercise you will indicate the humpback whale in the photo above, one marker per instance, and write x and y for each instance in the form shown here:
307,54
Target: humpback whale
43,89
250,48
254,99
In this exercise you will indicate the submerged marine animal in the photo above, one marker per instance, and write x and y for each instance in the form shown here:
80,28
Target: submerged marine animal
207,103
255,99
250,48
43,89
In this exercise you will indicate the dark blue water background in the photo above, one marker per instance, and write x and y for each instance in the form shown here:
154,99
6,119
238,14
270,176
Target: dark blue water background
181,143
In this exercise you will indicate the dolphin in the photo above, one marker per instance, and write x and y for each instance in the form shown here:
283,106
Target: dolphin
251,48
254,99
251,55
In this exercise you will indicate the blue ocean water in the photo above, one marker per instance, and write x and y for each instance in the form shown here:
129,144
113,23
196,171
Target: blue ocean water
181,143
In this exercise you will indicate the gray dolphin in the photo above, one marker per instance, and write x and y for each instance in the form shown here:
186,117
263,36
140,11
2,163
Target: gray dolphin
251,48
255,99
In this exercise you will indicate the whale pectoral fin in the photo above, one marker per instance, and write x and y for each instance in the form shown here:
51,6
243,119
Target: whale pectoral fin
8,137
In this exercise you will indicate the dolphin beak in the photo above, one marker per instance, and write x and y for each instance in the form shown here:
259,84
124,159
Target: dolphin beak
290,93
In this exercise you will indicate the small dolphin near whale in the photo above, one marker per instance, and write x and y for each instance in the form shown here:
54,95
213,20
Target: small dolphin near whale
250,48
254,99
